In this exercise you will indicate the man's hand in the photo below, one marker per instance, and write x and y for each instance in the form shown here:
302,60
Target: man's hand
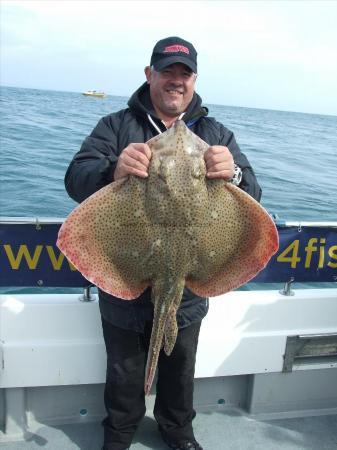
134,160
219,162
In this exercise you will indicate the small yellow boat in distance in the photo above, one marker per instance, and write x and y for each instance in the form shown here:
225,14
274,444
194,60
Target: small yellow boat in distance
94,94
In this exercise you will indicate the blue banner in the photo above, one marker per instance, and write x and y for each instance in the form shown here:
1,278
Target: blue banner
29,256
306,253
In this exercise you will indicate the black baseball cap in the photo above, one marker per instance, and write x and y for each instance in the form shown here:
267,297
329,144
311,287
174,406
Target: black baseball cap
173,50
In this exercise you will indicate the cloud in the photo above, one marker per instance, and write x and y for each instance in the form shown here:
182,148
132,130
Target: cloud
249,46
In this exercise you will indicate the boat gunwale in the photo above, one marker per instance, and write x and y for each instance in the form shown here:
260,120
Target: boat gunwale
55,220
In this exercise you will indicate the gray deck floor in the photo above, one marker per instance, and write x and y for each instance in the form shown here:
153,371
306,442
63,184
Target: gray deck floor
229,429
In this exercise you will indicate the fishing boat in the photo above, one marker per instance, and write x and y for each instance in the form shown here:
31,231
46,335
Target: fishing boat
266,370
94,94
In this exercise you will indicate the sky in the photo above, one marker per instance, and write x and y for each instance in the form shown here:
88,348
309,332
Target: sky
263,54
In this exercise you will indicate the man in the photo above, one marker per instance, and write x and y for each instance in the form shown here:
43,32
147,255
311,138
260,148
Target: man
116,149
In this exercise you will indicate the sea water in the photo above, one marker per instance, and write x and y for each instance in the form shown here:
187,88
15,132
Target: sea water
294,155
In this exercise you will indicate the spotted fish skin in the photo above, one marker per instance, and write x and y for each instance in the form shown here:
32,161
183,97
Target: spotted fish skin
174,228
175,198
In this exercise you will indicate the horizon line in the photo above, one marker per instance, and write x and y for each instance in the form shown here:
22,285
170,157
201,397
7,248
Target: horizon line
204,102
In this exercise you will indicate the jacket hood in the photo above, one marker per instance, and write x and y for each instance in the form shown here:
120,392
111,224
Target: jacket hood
140,104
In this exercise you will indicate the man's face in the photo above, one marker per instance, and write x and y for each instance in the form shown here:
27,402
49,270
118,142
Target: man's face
171,89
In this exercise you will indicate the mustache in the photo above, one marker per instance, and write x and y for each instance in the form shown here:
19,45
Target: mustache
175,87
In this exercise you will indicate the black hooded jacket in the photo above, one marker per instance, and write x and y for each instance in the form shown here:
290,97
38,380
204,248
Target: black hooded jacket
93,167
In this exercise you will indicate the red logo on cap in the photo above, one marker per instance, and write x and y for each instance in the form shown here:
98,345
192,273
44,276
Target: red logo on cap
176,49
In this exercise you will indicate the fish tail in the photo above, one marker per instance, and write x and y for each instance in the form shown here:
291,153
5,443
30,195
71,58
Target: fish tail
152,357
166,302
171,331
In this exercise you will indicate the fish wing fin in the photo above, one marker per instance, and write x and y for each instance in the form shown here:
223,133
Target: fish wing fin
107,236
237,243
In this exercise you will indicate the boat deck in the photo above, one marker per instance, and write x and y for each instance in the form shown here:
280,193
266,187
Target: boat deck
54,366
226,428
